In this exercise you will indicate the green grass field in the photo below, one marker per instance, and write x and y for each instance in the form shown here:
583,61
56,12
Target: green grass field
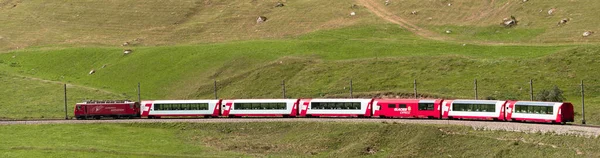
283,139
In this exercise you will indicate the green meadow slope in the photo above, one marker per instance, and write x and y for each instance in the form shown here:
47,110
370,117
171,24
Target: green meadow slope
315,46
68,23
479,21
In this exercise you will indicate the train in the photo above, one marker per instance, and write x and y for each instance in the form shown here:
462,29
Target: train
493,110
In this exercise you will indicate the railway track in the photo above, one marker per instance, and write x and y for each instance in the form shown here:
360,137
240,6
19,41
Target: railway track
578,130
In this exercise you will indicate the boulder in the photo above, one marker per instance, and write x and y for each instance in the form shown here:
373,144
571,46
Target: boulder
261,19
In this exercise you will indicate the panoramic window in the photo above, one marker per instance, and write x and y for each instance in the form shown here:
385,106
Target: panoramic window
474,107
336,105
259,106
183,106
528,109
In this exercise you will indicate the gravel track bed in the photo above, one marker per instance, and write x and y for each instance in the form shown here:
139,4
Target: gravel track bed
586,131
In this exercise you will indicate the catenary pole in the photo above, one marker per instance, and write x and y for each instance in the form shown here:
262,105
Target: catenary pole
215,89
66,115
139,92
582,104
476,89
283,88
531,89
415,87
351,89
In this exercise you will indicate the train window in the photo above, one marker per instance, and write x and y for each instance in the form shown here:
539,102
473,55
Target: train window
338,105
185,106
260,106
347,105
356,105
528,109
425,106
391,105
331,105
240,106
283,105
314,105
473,107
402,106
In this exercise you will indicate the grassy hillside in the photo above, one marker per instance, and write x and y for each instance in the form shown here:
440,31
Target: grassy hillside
283,140
161,68
27,98
111,23
479,21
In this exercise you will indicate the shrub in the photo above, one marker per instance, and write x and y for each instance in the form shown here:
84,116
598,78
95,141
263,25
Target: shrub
552,95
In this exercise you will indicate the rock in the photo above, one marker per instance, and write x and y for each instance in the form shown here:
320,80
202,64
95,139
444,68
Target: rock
414,12
587,33
449,4
103,66
448,31
352,13
92,72
261,19
563,21
551,11
279,4
525,0
387,2
370,150
125,44
127,51
509,22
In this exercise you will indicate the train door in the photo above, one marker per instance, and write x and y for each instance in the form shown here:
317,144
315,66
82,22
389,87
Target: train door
226,107
85,111
510,108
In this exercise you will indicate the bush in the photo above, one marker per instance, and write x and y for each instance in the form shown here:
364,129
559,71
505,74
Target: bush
553,95
14,64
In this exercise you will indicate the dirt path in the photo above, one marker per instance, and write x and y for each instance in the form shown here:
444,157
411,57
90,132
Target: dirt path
379,9
57,82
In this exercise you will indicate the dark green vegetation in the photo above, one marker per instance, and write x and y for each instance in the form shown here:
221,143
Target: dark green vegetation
284,139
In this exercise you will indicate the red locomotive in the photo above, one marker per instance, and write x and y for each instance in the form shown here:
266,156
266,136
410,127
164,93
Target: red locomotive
114,109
